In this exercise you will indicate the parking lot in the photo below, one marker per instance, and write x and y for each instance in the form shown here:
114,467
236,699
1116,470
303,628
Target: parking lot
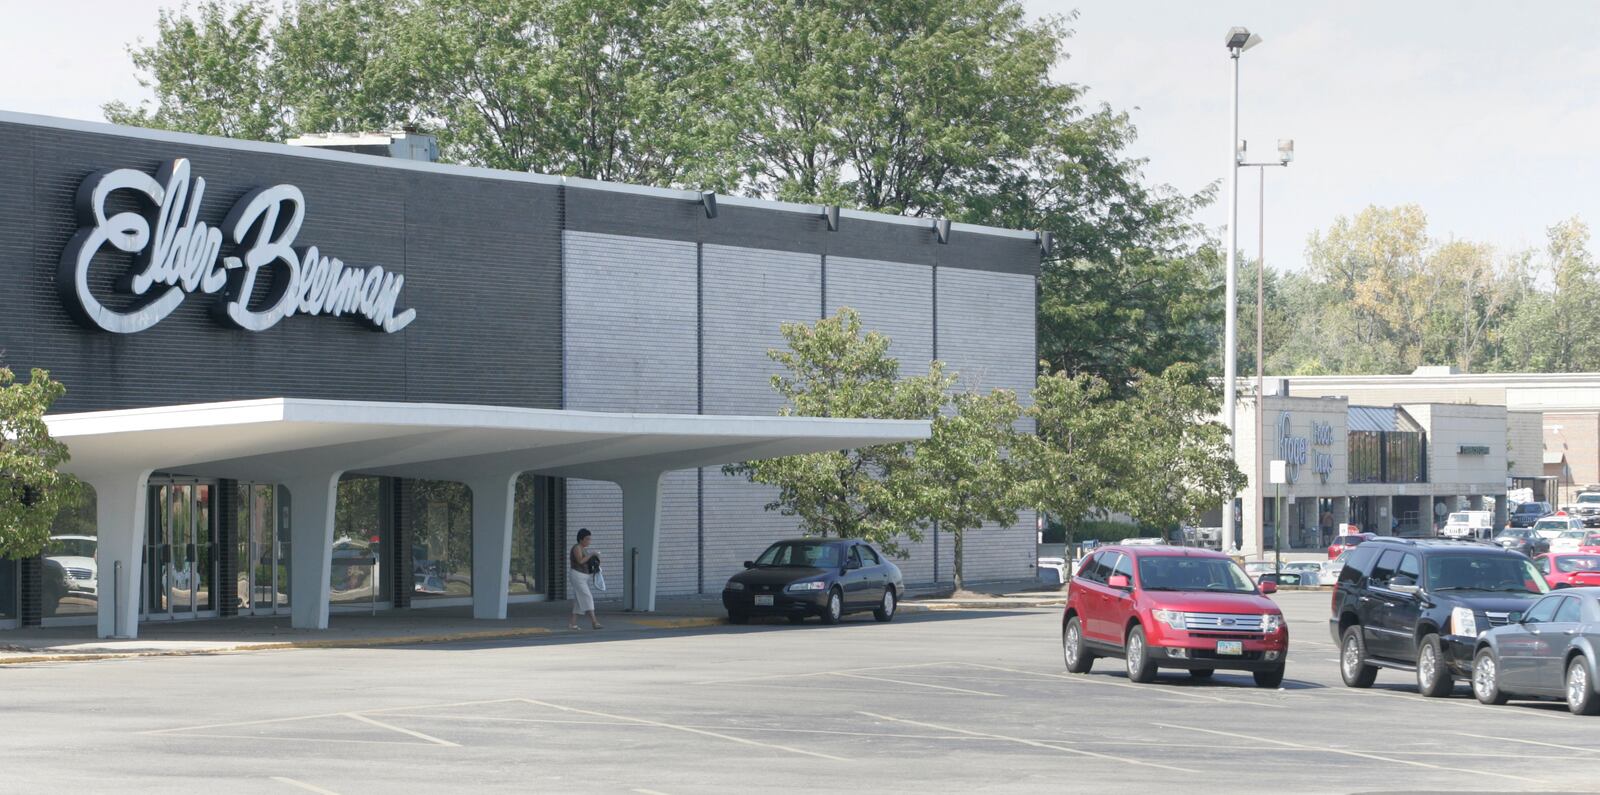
938,701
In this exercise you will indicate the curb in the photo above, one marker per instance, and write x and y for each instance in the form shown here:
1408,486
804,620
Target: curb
995,605
349,643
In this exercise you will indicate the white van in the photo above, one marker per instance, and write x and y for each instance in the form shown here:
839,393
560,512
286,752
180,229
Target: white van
1468,525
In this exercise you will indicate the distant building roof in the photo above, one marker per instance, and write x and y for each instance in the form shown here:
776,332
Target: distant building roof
1371,418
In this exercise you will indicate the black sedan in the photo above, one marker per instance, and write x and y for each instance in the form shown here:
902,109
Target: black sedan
1553,651
819,577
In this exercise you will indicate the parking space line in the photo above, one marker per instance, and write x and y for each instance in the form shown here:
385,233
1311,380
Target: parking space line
643,791
738,679
302,785
690,730
1577,748
293,718
419,735
921,684
1170,691
1033,743
1344,752
780,730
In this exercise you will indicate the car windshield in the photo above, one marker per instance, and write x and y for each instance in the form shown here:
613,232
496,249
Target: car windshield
1573,534
1551,524
813,554
70,547
1348,540
1182,573
1512,574
1460,518
1568,564
1589,499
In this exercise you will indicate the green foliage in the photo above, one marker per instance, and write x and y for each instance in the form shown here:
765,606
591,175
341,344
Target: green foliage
966,475
834,369
32,491
1072,461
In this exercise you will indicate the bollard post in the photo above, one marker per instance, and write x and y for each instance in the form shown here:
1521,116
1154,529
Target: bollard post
633,580
116,599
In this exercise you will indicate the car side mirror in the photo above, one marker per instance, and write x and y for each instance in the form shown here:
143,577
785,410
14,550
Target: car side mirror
1269,588
1120,581
749,564
1405,585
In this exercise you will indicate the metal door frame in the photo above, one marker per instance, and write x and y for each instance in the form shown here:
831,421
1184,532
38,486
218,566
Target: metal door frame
164,482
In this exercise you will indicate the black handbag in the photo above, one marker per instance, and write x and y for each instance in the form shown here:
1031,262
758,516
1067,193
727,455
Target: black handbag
594,564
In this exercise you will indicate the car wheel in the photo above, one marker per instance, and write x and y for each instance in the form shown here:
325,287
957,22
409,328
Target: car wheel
835,608
885,611
1073,650
1201,673
1352,660
1272,678
1140,667
1581,698
1486,678
737,618
1433,675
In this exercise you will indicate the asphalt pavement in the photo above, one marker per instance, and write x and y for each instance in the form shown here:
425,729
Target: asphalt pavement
939,701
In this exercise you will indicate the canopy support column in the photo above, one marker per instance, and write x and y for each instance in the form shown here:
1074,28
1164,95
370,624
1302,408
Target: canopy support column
120,508
641,538
493,514
312,500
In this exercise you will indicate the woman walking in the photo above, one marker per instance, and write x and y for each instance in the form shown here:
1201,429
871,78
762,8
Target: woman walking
581,565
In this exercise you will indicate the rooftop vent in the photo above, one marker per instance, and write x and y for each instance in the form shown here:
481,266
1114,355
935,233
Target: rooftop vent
1436,370
400,144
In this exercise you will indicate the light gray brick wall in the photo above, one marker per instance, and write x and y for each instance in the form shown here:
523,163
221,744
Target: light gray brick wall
748,294
894,298
986,334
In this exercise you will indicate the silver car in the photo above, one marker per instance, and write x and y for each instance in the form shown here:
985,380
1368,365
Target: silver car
1552,651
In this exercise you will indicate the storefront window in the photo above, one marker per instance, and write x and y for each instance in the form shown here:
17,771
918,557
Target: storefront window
1405,454
8,589
1365,457
71,577
527,538
356,576
441,538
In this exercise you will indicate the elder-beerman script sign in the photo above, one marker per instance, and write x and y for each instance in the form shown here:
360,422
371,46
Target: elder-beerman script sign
177,254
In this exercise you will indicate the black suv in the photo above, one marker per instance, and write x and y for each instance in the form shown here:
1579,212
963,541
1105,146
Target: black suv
1419,605
1529,512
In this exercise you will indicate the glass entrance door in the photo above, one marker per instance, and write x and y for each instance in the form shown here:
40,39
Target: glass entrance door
179,555
263,550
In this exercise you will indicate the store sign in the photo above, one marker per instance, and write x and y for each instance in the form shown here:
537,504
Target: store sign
1473,449
1295,450
177,255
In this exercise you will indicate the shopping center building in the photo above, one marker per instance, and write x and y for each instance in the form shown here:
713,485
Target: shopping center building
302,381
1392,463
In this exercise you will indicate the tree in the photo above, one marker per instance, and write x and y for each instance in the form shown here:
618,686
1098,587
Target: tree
32,490
966,473
1179,460
1073,463
834,369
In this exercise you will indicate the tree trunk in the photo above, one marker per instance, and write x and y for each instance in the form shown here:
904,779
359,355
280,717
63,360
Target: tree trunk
960,581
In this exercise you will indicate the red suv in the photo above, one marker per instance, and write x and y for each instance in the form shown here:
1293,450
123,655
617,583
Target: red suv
1172,607
1345,542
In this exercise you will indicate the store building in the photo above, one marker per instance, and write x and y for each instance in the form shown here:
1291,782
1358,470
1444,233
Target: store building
302,381
1391,469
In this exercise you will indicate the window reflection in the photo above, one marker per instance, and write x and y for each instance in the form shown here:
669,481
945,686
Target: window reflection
441,537
527,549
8,589
71,575
356,575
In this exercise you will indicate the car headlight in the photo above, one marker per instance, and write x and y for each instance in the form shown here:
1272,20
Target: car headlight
1463,622
810,585
1271,622
734,586
1172,618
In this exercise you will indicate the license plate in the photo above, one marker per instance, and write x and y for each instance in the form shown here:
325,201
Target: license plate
1230,647
764,600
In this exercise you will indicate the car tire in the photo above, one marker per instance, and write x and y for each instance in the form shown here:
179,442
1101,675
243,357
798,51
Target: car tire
1486,678
1353,668
738,618
1272,678
1201,673
1074,651
1433,673
1140,667
886,608
834,609
1581,698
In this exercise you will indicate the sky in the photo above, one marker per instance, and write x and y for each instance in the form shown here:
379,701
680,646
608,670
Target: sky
1482,113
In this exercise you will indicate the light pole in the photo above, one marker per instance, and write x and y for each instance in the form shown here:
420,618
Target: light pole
1285,157
1239,40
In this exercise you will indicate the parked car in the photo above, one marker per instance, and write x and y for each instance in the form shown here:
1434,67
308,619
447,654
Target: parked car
1521,539
1260,568
1551,527
1525,514
1417,606
1344,542
1591,544
1569,540
1569,570
1172,607
1553,651
1052,571
1311,568
1587,508
1331,569
75,555
1140,542
804,577
1468,525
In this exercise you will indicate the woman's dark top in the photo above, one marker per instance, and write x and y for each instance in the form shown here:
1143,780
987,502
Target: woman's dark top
575,563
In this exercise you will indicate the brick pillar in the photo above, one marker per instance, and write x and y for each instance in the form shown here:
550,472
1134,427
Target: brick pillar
227,548
399,523
31,606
